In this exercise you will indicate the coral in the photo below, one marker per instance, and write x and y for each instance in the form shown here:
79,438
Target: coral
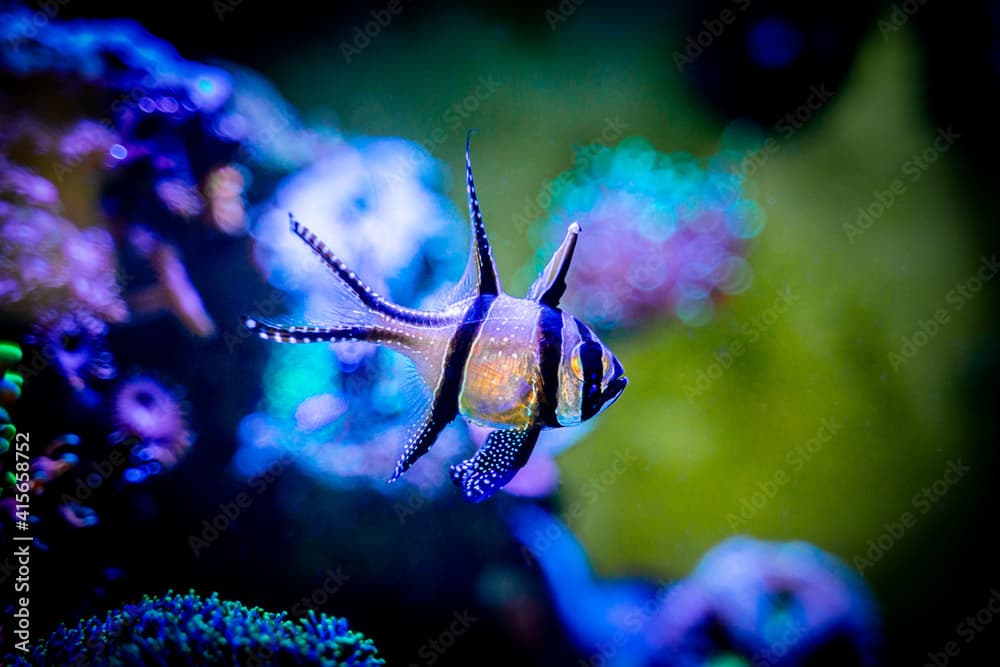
10,390
786,603
75,343
173,290
48,264
664,234
597,613
151,417
188,629
747,602
135,140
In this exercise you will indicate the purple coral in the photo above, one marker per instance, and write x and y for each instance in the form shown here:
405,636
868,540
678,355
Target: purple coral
49,264
150,415
777,603
748,602
664,235
74,343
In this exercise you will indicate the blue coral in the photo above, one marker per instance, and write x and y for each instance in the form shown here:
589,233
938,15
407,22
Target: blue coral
748,602
778,603
187,629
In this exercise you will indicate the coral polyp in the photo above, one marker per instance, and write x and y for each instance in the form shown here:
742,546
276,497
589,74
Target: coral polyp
666,233
152,417
75,343
176,629
48,264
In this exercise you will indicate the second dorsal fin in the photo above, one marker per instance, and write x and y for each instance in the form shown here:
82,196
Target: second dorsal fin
482,269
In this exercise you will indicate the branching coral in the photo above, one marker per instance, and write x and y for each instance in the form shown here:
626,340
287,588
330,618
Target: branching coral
187,629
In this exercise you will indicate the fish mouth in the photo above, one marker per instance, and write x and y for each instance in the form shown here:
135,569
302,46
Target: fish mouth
614,390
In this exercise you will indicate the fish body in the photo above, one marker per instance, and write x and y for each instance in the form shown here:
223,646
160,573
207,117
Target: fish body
516,365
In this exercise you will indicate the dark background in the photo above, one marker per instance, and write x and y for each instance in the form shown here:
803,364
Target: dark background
958,44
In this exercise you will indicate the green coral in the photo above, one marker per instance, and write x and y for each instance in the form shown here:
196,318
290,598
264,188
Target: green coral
187,629
10,390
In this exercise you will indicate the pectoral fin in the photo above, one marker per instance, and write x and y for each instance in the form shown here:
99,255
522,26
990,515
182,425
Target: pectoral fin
419,443
495,464
550,285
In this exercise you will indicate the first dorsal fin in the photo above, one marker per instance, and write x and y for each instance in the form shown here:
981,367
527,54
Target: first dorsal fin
550,285
482,269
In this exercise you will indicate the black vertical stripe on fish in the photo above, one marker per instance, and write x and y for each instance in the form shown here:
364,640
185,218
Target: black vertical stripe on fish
591,361
489,282
365,293
444,406
550,325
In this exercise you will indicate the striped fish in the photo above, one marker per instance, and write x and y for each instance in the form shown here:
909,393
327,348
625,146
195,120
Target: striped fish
514,365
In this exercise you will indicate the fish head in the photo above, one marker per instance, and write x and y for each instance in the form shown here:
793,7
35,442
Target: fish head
591,377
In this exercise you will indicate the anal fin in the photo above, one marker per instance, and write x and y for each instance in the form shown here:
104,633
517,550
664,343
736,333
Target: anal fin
495,464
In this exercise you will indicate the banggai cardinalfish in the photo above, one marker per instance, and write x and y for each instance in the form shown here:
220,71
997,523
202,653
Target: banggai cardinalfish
515,365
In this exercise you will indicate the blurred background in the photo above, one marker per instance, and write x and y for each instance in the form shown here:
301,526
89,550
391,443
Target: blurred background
827,379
